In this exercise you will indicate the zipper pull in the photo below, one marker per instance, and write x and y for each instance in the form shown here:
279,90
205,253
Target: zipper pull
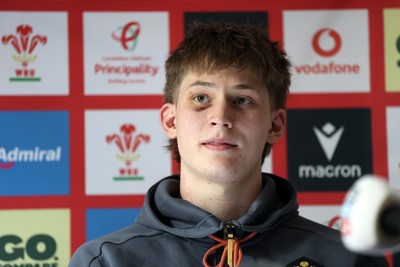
229,235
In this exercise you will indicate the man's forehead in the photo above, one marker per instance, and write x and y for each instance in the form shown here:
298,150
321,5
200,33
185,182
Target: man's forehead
205,78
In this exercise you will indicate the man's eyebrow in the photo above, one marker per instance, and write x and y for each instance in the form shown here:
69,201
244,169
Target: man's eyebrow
243,86
210,85
201,83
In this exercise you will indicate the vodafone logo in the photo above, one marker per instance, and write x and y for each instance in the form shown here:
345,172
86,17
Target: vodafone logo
127,35
329,50
326,42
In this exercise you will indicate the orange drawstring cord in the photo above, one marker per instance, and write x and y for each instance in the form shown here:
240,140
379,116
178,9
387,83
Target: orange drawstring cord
237,251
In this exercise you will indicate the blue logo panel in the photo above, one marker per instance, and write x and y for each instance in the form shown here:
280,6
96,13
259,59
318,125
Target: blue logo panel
100,222
34,153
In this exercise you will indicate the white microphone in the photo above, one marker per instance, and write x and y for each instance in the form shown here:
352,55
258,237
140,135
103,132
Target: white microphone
370,217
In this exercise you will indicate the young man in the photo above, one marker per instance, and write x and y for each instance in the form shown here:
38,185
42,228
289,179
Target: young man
225,95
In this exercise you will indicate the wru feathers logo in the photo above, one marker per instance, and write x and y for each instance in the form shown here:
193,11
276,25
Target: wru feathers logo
128,144
24,44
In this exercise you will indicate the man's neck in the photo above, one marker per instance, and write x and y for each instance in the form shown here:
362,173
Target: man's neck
227,200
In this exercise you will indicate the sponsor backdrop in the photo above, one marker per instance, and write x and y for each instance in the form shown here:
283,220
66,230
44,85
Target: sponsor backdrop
81,83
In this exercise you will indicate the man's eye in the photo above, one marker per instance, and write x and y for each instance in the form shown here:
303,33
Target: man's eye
242,101
201,98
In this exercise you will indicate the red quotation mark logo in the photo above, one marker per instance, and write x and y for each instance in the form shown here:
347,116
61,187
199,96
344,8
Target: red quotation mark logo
334,222
322,35
127,35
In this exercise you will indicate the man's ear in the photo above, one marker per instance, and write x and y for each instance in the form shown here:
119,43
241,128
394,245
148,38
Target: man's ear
278,121
167,113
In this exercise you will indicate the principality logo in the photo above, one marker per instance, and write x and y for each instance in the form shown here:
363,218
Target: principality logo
326,37
127,143
127,35
24,44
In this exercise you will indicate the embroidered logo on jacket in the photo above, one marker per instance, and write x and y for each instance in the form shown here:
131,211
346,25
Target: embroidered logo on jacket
304,262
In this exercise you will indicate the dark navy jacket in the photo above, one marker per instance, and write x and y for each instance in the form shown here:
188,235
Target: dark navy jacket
170,231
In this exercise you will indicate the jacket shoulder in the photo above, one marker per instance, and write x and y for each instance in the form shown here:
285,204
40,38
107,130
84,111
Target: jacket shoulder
331,238
304,224
89,254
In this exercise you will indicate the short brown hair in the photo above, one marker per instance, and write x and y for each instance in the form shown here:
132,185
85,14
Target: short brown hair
217,46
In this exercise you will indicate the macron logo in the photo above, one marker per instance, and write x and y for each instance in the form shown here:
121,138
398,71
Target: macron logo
329,138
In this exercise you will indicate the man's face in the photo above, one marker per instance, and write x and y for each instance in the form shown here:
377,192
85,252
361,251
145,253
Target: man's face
222,121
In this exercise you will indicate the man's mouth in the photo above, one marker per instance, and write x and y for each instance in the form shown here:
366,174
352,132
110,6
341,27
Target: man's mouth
219,144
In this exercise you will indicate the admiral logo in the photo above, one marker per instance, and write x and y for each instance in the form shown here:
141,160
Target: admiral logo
328,149
326,43
128,143
34,155
9,157
36,251
24,44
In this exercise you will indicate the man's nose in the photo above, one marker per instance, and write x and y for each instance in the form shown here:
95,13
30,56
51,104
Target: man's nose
221,115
